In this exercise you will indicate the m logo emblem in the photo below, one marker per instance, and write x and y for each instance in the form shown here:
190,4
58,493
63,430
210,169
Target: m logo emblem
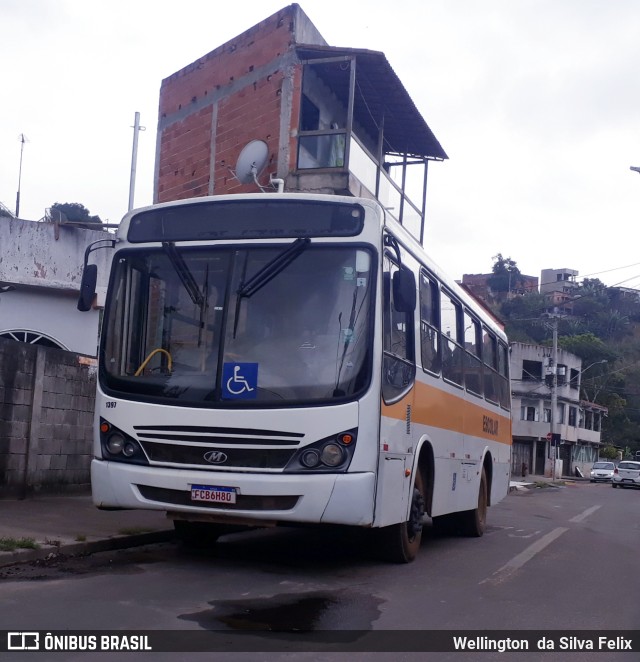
215,457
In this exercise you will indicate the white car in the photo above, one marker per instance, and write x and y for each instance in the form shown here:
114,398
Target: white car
626,474
602,471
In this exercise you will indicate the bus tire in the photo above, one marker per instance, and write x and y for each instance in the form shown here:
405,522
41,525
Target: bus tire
399,543
473,522
196,535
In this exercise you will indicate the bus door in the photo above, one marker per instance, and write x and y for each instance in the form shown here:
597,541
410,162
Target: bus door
397,444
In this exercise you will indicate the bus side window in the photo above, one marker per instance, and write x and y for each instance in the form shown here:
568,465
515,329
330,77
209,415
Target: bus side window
429,323
490,359
472,361
503,370
450,325
398,361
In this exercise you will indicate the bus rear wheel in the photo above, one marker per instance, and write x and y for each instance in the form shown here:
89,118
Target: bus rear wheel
473,522
399,543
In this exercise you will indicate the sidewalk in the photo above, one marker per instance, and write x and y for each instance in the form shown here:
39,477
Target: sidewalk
71,524
533,482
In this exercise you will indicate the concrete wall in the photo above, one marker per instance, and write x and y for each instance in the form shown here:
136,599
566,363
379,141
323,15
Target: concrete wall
47,255
46,419
43,264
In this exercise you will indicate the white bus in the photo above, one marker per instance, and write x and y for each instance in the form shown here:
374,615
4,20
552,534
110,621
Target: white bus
288,358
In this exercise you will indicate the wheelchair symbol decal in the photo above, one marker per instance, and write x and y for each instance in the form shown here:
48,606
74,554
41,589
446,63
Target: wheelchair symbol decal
239,380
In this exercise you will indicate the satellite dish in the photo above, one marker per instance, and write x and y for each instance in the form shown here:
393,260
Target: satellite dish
252,160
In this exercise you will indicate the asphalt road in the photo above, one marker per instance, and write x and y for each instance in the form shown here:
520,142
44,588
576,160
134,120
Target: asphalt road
552,560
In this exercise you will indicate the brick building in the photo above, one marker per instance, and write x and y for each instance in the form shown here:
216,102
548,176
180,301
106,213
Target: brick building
318,118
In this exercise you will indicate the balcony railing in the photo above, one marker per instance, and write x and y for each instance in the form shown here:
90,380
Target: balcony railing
327,150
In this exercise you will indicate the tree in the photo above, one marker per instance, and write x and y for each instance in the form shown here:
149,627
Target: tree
74,212
609,453
588,347
506,274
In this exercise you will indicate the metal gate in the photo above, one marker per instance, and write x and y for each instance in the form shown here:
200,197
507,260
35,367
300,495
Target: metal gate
520,455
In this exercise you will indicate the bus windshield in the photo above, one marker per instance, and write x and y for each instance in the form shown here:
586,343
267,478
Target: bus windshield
230,326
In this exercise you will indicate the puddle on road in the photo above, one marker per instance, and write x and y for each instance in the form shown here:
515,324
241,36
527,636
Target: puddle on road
292,613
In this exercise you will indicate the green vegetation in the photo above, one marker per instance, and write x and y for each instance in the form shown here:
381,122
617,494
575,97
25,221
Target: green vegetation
74,212
603,330
11,544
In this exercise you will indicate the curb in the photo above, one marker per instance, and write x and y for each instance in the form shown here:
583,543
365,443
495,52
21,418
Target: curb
90,547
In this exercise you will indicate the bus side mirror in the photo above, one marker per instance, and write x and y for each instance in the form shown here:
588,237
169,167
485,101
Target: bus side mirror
404,290
88,287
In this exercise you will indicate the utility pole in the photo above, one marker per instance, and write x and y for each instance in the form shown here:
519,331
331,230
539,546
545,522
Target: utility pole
23,140
554,399
134,159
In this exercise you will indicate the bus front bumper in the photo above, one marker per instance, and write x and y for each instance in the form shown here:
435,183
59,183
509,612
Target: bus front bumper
269,498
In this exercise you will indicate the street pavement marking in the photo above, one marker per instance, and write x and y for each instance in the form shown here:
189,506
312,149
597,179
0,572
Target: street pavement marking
585,514
520,559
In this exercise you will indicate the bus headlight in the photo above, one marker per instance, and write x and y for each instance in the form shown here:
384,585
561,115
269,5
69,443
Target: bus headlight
310,458
117,446
332,455
128,450
115,443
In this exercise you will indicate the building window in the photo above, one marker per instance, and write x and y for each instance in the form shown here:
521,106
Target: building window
529,413
562,374
573,416
309,115
32,338
574,378
588,420
531,371
546,415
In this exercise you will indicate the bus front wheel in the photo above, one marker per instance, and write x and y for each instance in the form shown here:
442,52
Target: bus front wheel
400,542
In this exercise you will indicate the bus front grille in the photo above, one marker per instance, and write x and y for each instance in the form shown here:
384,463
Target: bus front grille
216,456
244,502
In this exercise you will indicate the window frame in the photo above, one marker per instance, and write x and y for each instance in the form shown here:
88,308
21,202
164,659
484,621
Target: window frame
433,324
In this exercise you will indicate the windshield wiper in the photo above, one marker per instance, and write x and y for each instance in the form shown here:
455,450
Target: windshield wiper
268,272
272,268
183,272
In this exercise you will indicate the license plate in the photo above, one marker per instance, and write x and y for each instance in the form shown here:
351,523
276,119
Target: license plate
213,494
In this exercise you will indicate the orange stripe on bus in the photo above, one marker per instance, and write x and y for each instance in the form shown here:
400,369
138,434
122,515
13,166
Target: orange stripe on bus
437,408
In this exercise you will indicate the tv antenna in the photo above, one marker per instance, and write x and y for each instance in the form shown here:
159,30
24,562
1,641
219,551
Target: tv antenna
23,139
251,162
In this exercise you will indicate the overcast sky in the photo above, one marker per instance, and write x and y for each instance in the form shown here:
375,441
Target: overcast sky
536,102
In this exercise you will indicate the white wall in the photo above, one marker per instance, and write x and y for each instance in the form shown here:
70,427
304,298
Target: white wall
54,314
43,264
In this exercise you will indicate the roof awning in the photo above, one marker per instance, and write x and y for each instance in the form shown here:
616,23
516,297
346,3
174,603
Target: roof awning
380,100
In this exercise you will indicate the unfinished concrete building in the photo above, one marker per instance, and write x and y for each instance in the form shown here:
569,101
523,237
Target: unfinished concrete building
278,103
